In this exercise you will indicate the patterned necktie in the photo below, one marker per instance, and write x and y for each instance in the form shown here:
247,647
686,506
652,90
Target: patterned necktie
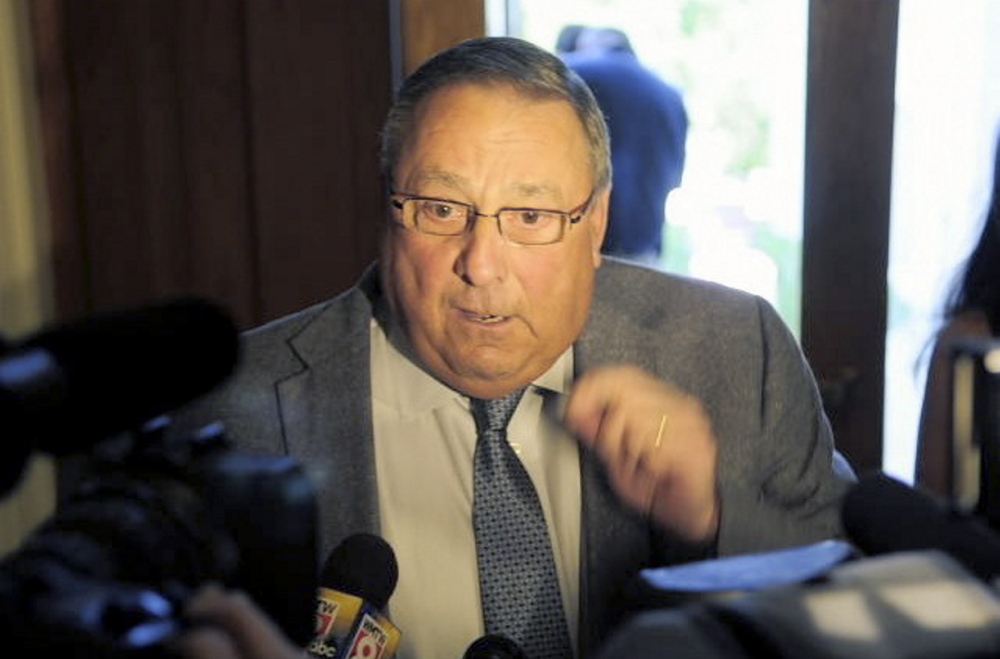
517,573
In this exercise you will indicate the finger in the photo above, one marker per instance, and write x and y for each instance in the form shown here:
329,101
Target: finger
610,442
642,443
251,632
658,455
585,411
627,400
206,643
593,393
633,451
634,485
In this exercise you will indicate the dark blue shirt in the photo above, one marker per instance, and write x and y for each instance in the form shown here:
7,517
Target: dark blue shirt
648,125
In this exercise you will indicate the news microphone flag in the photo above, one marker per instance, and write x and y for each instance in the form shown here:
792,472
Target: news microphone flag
375,637
336,635
335,611
355,584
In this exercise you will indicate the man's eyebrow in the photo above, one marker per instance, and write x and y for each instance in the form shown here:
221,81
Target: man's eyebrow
535,189
456,182
448,179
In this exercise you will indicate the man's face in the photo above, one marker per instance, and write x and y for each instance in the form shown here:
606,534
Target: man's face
484,315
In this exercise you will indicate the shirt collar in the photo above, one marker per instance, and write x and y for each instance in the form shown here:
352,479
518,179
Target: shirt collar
413,389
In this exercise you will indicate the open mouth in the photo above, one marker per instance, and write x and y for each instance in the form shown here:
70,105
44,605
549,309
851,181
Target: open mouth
486,318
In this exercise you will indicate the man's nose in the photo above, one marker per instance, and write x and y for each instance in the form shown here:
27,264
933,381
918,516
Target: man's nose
484,255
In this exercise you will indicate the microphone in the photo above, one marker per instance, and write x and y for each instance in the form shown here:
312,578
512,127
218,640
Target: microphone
494,646
74,384
883,515
355,584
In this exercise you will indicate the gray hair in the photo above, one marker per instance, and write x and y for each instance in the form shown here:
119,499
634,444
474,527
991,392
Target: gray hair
524,66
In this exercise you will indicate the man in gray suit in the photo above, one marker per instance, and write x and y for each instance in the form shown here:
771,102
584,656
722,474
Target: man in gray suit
664,420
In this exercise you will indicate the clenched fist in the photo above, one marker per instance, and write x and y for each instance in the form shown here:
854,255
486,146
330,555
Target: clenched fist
656,442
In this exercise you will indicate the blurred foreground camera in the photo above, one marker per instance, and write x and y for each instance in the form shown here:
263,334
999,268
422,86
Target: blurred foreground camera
110,572
154,515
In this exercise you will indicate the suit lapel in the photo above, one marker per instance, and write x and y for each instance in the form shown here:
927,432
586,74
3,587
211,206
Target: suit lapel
327,418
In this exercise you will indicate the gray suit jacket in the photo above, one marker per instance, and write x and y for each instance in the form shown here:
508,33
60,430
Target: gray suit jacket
303,388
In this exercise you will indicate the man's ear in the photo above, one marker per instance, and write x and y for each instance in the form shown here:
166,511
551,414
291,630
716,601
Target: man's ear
597,222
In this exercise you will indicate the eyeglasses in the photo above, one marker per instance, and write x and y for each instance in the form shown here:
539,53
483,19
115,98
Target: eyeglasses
524,226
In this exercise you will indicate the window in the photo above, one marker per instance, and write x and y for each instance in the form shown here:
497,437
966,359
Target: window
737,217
946,121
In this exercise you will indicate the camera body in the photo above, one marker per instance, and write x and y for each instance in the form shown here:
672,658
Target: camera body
153,518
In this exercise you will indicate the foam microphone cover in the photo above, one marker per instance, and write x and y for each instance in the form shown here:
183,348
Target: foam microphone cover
76,383
494,646
355,585
363,565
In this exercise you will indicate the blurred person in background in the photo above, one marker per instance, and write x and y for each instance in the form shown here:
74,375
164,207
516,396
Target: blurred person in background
971,311
648,124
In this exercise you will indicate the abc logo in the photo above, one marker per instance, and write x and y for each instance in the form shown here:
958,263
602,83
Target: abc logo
320,649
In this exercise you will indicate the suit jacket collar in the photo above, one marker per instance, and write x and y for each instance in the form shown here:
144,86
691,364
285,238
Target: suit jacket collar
332,389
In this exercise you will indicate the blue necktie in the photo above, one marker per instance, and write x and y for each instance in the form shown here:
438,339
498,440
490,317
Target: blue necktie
517,573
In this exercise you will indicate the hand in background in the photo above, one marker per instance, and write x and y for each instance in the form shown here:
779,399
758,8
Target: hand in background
656,442
229,625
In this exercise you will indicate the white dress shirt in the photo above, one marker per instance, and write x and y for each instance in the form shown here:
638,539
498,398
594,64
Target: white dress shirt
424,442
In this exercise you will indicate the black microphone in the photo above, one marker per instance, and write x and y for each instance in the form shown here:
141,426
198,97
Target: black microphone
883,515
74,384
494,646
355,585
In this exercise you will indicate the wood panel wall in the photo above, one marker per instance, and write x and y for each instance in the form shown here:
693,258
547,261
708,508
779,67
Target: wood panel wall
226,148
431,25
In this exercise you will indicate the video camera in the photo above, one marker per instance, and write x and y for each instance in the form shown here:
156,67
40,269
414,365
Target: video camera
156,514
